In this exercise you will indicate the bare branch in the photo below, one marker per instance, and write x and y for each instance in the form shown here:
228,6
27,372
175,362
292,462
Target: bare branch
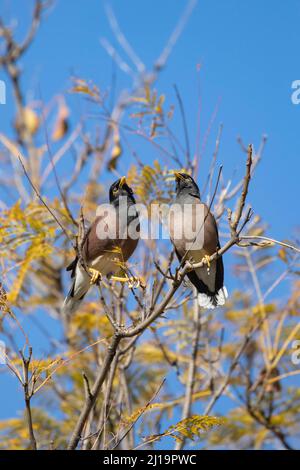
27,396
122,39
161,61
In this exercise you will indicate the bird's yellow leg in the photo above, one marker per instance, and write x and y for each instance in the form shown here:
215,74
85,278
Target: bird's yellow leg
96,275
132,281
206,260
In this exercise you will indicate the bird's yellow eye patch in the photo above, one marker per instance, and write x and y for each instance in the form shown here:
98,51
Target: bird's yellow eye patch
115,190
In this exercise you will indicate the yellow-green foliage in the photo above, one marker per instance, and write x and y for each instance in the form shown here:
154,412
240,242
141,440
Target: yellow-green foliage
25,236
190,428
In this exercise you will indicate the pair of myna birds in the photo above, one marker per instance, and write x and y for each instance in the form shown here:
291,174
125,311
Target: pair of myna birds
108,244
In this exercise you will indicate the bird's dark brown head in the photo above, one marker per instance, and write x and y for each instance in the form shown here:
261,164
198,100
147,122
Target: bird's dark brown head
119,189
185,184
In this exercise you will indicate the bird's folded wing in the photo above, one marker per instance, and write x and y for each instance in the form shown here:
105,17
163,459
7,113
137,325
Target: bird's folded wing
102,235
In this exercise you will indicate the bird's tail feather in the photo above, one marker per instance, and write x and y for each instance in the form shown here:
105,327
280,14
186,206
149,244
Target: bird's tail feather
71,304
213,301
75,295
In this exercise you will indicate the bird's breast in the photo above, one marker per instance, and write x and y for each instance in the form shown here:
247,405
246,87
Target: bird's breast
186,222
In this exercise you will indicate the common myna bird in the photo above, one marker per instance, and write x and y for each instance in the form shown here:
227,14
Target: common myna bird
107,245
189,216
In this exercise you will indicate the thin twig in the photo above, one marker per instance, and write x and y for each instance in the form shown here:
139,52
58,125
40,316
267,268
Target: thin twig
140,414
270,241
46,205
27,396
192,369
185,129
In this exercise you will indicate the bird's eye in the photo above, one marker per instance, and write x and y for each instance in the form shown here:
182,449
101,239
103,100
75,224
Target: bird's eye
115,190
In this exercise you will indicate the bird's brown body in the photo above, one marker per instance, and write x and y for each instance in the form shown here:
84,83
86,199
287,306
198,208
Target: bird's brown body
118,241
194,233
206,239
108,244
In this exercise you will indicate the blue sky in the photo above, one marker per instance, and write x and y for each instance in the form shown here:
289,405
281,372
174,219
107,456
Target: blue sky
249,57
248,51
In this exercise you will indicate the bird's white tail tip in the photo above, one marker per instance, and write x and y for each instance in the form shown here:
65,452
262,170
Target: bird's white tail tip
206,301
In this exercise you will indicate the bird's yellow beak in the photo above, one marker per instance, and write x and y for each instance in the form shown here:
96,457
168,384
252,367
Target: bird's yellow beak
122,182
178,176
